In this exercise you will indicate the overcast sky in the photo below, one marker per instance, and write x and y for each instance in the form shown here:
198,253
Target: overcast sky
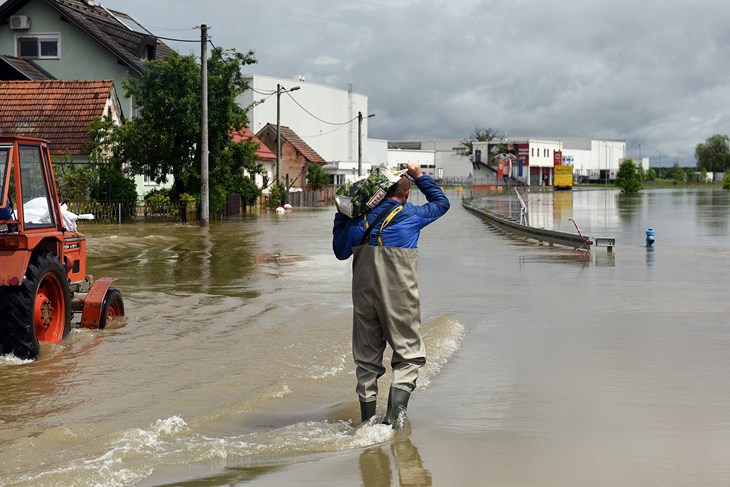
652,72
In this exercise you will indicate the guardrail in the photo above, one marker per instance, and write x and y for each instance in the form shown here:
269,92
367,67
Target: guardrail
512,226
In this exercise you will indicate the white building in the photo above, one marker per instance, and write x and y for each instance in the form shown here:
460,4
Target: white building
326,118
438,157
592,159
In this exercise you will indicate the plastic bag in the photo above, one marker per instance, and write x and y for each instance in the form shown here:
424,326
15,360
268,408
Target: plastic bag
354,199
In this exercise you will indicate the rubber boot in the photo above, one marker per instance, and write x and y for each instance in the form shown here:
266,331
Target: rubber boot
367,410
397,405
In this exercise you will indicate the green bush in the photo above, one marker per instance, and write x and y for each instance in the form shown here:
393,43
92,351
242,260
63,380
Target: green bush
317,177
277,196
628,178
218,199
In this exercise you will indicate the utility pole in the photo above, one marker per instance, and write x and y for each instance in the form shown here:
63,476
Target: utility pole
359,141
279,90
278,131
205,184
359,144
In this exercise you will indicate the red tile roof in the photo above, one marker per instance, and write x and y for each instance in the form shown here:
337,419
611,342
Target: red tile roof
309,154
268,132
55,110
245,134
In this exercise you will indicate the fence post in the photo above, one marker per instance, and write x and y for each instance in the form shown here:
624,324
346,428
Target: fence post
119,209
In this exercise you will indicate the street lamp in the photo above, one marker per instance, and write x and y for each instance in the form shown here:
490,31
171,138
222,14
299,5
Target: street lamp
359,141
279,90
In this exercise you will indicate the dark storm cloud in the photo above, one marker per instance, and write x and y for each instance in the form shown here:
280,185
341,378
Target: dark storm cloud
650,72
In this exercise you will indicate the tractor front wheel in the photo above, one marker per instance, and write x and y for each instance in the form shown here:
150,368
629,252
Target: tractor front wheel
113,307
39,310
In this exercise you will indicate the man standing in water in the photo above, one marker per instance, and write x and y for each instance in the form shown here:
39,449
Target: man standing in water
387,308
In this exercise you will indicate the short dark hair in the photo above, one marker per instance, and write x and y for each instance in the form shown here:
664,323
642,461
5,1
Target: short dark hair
399,189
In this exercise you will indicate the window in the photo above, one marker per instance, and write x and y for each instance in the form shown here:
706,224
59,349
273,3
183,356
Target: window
39,46
36,200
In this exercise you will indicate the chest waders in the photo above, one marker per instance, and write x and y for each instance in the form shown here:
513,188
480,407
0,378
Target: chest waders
387,310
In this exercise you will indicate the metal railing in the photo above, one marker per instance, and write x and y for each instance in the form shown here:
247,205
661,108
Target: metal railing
135,211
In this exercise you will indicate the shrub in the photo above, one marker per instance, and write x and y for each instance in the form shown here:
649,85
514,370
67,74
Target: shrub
628,178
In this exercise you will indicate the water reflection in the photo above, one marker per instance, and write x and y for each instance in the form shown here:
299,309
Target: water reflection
711,210
375,466
649,257
562,205
218,259
605,259
628,206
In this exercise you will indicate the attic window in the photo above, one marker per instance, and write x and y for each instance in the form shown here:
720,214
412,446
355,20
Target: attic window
45,46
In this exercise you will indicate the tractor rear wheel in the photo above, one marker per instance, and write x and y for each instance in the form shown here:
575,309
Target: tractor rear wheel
39,310
113,307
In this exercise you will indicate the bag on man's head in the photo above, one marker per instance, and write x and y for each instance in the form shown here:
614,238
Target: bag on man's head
354,199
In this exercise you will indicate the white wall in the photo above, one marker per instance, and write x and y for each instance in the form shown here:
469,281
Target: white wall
401,157
607,154
325,117
377,150
542,152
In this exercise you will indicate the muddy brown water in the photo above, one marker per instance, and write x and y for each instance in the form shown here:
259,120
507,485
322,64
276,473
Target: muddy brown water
546,366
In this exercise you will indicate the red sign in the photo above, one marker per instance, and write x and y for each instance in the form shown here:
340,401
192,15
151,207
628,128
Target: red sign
558,158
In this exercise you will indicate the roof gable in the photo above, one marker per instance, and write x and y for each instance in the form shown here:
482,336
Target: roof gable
15,68
245,134
291,137
56,110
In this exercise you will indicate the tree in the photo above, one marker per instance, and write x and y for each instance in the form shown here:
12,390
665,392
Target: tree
112,182
74,181
628,178
317,176
165,138
677,174
479,135
714,154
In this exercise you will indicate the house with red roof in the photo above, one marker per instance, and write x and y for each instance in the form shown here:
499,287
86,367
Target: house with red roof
296,155
74,40
71,40
57,110
265,157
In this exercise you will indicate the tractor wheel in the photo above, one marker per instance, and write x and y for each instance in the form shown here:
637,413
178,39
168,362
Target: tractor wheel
39,310
113,307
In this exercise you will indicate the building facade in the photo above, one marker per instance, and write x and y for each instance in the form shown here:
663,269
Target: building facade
325,118
77,40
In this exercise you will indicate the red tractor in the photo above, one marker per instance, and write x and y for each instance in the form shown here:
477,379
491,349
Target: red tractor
43,280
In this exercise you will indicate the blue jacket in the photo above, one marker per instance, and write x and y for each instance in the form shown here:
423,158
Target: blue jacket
403,231
5,213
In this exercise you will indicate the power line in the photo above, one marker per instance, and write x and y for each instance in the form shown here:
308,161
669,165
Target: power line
324,133
315,116
165,29
181,40
178,40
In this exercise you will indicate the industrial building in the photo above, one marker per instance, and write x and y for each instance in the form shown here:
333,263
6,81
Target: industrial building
332,121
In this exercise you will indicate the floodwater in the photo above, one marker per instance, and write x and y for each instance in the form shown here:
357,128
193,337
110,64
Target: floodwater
547,366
